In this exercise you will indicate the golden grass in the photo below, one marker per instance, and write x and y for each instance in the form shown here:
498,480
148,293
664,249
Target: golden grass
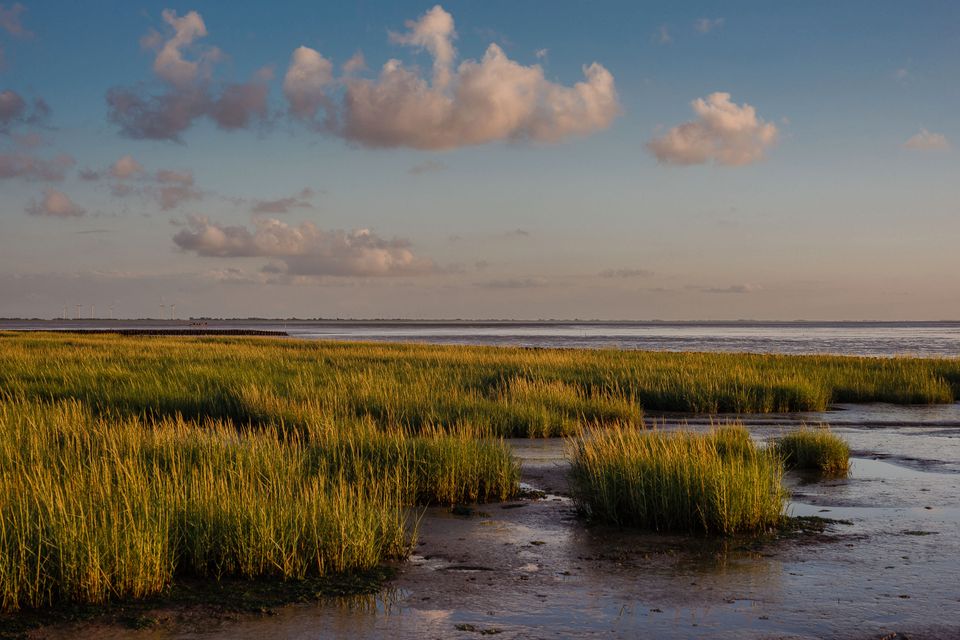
718,482
814,448
501,391
126,462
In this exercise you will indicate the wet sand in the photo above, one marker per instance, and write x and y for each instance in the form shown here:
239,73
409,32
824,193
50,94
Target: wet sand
532,569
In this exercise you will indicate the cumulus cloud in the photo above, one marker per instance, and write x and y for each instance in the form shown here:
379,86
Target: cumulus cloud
56,204
475,102
11,23
356,62
927,141
15,109
284,205
29,140
185,69
170,63
724,133
434,32
175,187
706,25
304,249
306,82
625,273
126,167
19,165
663,35
127,177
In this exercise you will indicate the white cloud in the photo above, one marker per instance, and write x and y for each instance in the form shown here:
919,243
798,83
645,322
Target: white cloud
724,132
56,204
175,187
306,82
927,141
475,102
434,32
356,63
126,167
21,165
15,110
11,23
189,94
170,63
663,35
303,249
706,25
284,205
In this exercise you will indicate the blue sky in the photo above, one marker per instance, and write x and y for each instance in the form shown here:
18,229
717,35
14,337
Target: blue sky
816,179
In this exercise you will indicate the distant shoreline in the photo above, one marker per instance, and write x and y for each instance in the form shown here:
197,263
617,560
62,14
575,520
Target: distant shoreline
368,322
162,332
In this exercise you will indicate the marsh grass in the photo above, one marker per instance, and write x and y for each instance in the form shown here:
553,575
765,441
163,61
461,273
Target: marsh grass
127,463
815,449
505,392
718,482
95,508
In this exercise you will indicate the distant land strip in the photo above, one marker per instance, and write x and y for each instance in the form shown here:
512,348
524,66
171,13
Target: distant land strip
162,332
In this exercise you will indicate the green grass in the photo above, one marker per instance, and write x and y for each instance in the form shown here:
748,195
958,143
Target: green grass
680,481
815,449
94,509
129,463
499,391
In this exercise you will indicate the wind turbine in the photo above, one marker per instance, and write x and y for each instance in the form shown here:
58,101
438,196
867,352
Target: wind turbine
173,311
79,306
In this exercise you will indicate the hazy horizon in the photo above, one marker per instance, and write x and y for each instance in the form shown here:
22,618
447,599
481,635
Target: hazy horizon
702,162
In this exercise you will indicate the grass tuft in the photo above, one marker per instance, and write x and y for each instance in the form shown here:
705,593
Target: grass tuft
816,449
718,482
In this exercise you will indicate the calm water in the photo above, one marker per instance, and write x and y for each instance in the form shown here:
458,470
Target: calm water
859,338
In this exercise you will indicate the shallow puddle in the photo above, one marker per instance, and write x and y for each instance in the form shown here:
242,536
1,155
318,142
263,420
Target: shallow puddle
531,569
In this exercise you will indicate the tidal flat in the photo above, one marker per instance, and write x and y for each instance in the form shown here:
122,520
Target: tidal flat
875,553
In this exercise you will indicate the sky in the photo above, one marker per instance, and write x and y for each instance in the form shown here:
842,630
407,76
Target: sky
497,159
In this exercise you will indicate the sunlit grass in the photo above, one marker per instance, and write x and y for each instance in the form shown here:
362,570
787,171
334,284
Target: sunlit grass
127,462
718,482
815,449
94,508
499,391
